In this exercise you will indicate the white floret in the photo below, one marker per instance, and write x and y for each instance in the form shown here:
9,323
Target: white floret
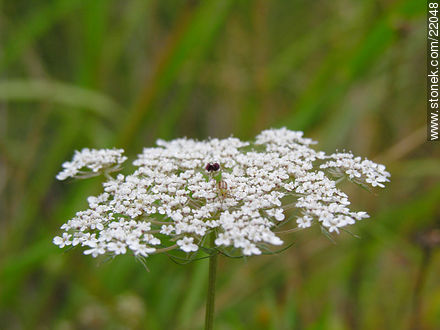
91,159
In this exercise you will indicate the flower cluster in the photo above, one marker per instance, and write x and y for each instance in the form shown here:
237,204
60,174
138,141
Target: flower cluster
183,190
91,159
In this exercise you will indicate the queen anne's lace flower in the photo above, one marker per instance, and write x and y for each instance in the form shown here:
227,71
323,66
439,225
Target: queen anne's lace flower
91,159
184,189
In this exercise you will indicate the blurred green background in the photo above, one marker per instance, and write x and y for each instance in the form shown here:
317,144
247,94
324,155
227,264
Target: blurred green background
104,73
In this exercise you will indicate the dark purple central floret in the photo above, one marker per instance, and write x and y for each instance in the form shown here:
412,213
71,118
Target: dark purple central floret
212,167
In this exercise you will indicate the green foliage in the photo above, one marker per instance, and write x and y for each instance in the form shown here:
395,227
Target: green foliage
107,73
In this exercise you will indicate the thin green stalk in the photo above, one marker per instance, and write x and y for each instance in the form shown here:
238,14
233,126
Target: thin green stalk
210,298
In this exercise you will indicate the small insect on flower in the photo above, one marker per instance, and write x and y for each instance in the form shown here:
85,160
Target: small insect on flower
212,167
222,187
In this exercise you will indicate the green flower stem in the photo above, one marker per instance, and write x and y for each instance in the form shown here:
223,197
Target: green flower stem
210,298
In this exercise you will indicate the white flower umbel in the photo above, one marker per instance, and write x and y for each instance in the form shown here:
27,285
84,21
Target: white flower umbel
183,190
89,162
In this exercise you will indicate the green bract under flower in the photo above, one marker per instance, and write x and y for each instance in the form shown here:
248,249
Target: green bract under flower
174,199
